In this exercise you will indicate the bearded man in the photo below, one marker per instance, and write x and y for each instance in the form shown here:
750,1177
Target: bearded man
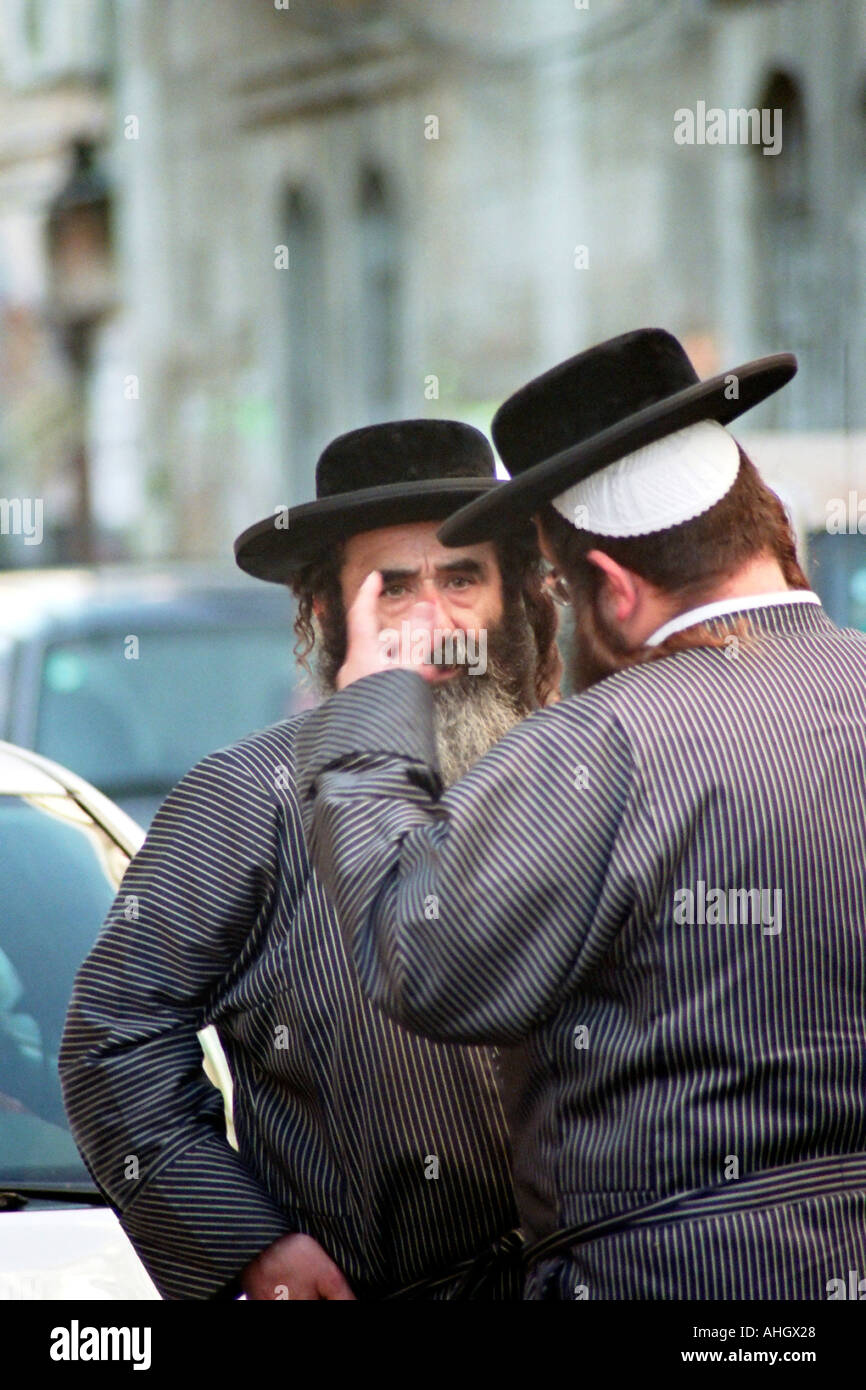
653,895
371,1163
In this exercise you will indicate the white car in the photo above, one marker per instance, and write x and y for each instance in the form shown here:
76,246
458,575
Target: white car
63,851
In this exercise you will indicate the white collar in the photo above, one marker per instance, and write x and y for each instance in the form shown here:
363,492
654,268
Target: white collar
729,605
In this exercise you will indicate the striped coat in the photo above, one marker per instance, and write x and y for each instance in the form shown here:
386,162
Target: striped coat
653,897
389,1149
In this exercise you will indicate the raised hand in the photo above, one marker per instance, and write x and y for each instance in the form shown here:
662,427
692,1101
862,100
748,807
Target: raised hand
367,651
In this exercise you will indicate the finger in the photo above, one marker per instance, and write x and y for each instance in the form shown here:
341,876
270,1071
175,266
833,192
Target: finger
363,648
362,621
334,1287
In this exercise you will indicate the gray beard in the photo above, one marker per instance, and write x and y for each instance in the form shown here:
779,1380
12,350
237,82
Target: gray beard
470,715
470,712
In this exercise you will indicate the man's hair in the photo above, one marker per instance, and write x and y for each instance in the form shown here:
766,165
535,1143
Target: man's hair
687,561
523,586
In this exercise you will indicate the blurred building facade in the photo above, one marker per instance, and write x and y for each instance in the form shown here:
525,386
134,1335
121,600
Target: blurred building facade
327,212
56,291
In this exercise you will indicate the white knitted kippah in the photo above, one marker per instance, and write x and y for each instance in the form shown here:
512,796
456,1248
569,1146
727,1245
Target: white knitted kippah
657,486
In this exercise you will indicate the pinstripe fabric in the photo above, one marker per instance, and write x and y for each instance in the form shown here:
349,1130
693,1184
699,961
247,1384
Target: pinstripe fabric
338,1111
645,1055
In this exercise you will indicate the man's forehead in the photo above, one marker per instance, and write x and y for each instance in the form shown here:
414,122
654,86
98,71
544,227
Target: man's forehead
410,547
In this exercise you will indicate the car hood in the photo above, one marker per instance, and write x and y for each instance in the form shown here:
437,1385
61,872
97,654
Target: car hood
67,1253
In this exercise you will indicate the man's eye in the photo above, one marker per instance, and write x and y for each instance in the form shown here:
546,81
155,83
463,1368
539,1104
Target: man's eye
460,580
394,590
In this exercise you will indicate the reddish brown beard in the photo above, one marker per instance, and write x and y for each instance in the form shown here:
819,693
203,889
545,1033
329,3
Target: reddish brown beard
598,649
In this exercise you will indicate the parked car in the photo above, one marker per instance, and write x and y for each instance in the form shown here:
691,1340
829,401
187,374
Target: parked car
63,850
130,675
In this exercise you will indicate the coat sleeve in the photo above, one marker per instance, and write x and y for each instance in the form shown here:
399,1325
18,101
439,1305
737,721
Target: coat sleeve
149,1124
470,915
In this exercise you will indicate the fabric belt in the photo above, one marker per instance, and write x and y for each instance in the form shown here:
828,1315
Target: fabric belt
498,1271
798,1182
493,1273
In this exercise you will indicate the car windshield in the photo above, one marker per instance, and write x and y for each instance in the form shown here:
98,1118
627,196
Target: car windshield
134,712
59,872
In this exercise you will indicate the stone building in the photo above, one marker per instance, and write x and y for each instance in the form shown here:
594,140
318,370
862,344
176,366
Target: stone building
326,212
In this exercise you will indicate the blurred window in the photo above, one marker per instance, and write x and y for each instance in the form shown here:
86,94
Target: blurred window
131,725
785,174
34,14
837,573
60,872
45,40
380,251
5,683
786,252
305,311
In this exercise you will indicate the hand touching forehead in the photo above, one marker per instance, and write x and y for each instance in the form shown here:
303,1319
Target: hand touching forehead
463,582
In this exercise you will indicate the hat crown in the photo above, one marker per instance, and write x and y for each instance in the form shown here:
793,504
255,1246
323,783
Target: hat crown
590,393
392,474
403,451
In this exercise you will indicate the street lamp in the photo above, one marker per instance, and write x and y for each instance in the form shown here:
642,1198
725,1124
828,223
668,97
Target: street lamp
81,291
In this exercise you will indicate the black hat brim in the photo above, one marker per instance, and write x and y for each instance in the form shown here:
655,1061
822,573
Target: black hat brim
267,551
519,498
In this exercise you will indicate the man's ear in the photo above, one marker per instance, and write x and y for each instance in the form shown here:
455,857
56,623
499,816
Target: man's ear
318,608
543,542
619,588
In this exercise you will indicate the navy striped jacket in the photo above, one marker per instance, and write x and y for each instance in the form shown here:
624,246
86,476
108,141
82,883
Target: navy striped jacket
388,1149
653,895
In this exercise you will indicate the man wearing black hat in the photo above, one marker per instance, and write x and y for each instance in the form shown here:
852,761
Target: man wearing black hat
653,896
371,1162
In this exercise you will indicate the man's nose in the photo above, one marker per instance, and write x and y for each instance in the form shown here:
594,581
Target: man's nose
429,593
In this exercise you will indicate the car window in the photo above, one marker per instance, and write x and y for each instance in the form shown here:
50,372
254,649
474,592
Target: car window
5,683
59,872
137,715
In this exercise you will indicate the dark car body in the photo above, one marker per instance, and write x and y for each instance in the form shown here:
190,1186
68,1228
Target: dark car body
130,675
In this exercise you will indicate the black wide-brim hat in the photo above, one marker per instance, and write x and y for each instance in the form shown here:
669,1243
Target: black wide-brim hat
381,475
594,409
